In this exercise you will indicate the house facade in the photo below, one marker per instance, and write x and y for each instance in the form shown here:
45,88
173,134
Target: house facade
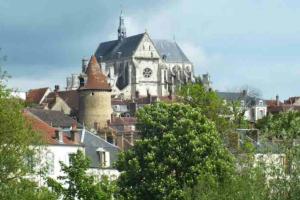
254,108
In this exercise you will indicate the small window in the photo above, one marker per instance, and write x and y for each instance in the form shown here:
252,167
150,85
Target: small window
50,163
93,93
30,162
71,157
149,48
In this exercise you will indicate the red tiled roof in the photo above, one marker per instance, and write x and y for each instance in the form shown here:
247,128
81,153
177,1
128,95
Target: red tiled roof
35,95
48,132
283,108
168,99
96,80
272,102
120,102
123,121
291,100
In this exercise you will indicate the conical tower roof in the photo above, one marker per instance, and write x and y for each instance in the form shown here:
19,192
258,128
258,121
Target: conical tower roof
96,80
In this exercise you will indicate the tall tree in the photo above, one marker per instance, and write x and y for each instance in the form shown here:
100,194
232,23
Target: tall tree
178,144
17,141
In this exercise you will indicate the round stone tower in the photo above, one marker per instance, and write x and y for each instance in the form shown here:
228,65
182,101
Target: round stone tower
94,97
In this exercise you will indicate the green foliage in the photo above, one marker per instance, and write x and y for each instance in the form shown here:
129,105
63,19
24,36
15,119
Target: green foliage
285,125
284,128
178,145
16,140
24,189
246,184
227,117
76,184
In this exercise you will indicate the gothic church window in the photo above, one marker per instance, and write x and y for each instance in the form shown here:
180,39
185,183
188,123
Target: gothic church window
147,72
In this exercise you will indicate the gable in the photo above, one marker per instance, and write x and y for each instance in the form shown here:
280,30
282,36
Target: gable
146,48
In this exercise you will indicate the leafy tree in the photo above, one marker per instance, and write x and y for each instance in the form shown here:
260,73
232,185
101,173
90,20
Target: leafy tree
284,128
76,184
16,146
178,144
227,117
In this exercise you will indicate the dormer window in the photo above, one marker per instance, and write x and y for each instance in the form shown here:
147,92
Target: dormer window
242,103
104,157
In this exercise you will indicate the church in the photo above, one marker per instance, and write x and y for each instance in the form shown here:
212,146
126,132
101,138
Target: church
138,66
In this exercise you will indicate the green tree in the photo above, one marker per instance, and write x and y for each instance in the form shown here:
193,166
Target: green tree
76,184
17,141
284,130
178,144
227,117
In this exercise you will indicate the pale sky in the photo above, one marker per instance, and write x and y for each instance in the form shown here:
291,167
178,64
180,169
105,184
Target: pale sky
238,42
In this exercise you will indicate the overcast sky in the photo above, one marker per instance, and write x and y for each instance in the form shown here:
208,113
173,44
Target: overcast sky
238,42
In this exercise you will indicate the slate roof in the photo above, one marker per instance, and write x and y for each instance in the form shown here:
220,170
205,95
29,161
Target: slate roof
47,132
109,50
54,118
238,96
96,80
170,51
92,142
36,95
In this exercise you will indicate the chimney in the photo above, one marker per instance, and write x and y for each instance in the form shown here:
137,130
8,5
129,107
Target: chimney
75,83
59,135
149,96
137,94
56,88
69,83
277,100
84,64
244,92
74,133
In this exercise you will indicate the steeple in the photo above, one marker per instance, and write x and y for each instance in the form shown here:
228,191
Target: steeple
121,29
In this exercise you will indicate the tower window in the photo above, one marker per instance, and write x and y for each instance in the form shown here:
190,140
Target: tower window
81,82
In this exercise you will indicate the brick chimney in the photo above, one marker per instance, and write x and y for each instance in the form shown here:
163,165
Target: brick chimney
74,133
59,135
277,100
244,92
56,88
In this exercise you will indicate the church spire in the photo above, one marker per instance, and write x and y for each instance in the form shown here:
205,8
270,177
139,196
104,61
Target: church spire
122,28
